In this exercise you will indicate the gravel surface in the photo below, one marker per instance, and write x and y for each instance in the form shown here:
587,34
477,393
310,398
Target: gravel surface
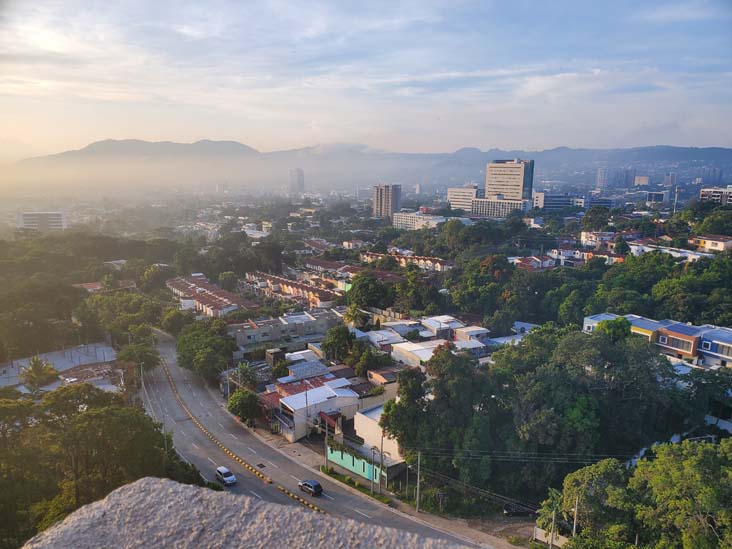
162,513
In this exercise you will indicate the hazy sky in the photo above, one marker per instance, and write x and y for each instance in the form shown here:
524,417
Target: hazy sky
408,76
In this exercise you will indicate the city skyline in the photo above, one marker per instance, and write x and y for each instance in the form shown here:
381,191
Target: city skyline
412,77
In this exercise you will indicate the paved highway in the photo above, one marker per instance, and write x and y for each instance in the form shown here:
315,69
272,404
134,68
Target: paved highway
208,408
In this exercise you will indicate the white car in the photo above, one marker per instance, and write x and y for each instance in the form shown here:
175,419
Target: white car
225,477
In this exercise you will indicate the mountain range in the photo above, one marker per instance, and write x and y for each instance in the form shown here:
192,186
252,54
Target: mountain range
131,163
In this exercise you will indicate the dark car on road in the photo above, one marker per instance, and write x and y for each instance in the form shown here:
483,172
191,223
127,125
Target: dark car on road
311,487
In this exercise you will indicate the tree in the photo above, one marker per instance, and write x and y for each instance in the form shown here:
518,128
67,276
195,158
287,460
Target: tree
621,246
174,320
244,404
228,281
37,373
247,375
366,291
279,369
140,354
337,342
616,329
355,316
596,218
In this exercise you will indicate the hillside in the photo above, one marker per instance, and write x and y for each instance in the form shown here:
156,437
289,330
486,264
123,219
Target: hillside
111,165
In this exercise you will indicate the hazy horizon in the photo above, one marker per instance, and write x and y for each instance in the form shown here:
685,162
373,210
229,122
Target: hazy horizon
407,77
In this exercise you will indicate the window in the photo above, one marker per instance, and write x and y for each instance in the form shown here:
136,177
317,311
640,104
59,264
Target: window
706,345
725,350
663,340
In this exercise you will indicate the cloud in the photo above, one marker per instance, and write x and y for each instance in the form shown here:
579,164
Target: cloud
685,12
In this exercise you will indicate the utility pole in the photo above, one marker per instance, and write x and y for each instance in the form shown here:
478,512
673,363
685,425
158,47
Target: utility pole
407,488
381,464
373,449
576,507
326,446
551,535
419,475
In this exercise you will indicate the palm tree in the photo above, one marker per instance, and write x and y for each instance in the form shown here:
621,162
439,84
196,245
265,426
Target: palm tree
38,373
355,316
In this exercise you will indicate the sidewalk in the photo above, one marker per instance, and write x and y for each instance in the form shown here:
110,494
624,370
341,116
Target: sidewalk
304,454
300,452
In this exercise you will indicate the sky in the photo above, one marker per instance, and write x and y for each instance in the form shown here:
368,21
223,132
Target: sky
413,76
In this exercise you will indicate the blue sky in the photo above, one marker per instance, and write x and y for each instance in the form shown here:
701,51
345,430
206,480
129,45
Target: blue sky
408,76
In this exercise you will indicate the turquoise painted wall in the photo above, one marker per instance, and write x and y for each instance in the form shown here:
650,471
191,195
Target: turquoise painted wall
358,466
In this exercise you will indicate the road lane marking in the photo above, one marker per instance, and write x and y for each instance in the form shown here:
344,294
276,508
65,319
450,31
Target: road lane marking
182,432
195,445
362,513
297,479
329,497
212,461
233,436
256,494
273,464
220,425
252,450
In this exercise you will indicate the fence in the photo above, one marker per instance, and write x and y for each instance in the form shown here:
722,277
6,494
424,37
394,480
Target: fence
545,537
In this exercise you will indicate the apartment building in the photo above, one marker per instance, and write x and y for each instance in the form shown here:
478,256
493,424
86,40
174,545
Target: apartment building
711,243
513,179
42,221
284,288
717,195
197,292
387,199
498,207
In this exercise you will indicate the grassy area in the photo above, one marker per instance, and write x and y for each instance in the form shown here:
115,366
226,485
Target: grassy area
364,488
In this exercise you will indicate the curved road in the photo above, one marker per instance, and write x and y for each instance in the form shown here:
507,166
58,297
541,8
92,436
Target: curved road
194,446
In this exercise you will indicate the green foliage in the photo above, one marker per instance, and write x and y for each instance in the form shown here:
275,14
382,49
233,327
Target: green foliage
205,348
596,218
367,291
119,313
244,404
559,391
71,448
337,342
616,329
140,354
280,369
718,221
681,497
174,320
38,373
247,375
228,281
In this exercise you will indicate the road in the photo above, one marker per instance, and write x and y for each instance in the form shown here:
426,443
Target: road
208,408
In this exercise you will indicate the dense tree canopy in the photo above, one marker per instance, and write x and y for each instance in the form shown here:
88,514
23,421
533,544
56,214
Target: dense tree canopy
560,391
678,498
205,348
70,448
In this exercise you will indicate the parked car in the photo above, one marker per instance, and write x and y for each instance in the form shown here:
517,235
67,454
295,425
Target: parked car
517,510
225,477
311,487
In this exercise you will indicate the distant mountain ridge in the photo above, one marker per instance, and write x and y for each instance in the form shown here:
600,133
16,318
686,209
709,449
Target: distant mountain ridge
133,163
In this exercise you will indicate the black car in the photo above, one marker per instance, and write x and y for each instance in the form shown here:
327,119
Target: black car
311,487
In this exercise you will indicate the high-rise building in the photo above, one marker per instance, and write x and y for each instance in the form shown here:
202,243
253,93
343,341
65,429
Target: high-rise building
297,181
461,198
669,179
42,221
642,180
711,175
605,177
718,195
514,179
387,200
